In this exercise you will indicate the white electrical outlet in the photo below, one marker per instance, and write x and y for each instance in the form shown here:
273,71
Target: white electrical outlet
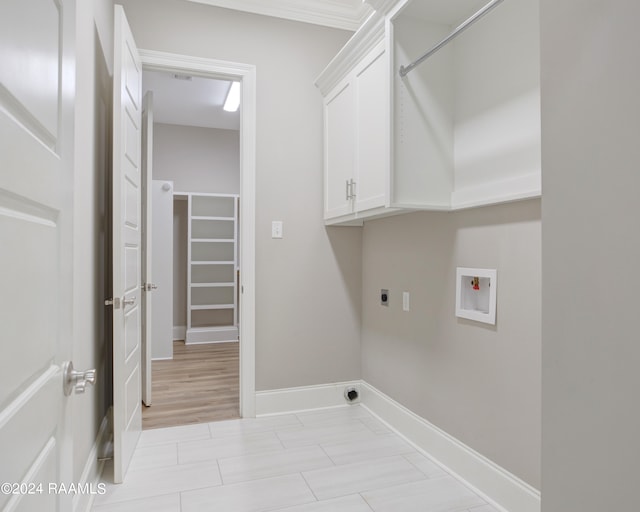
405,301
276,229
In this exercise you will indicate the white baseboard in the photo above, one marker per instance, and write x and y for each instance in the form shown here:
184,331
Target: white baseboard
82,502
179,332
502,489
497,485
199,335
304,398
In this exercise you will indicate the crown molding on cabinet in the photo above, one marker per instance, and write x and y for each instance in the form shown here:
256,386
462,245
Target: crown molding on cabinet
371,32
342,14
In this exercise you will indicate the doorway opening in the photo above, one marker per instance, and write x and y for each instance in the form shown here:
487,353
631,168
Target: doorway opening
203,173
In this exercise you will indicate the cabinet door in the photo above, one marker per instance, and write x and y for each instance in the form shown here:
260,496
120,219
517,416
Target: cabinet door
339,158
372,128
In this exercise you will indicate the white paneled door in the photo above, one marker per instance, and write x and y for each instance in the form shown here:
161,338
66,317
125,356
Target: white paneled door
37,68
127,227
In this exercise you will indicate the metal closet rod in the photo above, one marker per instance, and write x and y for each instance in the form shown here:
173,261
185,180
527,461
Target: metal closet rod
405,70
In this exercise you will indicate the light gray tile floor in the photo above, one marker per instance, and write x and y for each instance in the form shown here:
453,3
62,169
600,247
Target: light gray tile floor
335,460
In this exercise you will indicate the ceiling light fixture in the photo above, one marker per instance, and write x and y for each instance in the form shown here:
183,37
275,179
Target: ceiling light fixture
232,103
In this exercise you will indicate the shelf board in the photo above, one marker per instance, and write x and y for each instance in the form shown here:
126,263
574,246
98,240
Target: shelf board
212,240
203,307
212,285
207,217
213,263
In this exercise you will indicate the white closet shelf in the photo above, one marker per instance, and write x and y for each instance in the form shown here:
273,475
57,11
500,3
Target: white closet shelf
213,240
207,217
212,285
213,263
202,307
212,252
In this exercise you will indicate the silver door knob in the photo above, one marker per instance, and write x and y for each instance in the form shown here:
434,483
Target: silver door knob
148,287
129,302
73,380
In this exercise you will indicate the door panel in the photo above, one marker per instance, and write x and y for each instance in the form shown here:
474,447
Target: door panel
30,63
36,191
339,150
127,80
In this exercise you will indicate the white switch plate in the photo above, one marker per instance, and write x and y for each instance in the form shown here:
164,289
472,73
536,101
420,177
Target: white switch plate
276,229
405,301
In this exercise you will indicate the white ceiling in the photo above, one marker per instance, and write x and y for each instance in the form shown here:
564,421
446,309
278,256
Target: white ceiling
344,14
194,102
450,12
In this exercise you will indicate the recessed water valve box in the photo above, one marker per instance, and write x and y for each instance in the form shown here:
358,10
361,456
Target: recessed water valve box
476,294
384,297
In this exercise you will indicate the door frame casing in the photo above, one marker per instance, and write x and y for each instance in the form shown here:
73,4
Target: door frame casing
245,73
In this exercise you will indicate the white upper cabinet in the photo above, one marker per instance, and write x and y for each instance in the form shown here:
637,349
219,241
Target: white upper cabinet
461,130
357,138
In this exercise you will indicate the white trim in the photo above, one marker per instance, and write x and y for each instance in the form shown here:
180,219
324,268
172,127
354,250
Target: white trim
203,335
278,401
179,332
498,486
246,73
346,15
371,31
93,468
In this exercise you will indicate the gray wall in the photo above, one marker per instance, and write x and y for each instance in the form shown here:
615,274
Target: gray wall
477,382
308,284
591,251
94,33
197,159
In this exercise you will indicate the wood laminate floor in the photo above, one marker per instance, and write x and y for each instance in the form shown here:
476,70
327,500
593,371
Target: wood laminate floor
200,384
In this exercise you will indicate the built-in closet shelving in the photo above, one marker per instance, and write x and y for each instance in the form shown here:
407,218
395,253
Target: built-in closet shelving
460,130
212,305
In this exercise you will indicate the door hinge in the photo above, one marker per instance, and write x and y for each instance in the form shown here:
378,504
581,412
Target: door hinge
115,302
